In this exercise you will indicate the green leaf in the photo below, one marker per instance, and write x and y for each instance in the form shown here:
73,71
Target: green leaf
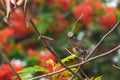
26,73
17,54
117,15
45,20
68,58
98,78
31,61
33,69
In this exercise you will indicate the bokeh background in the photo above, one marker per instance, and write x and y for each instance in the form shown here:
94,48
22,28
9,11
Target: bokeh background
56,18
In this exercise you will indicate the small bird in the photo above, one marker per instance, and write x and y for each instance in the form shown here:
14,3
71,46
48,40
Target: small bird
78,48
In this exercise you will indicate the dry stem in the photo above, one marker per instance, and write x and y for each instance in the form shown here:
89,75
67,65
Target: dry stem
8,62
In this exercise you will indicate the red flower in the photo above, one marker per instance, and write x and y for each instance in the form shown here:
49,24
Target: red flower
6,32
97,4
108,19
18,23
46,55
52,65
6,73
87,16
43,55
94,3
61,23
32,52
64,4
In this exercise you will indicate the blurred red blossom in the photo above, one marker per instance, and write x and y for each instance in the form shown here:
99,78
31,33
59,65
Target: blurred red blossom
46,59
95,9
32,52
5,34
6,73
61,24
18,23
108,19
52,65
88,14
46,55
16,28
42,55
64,4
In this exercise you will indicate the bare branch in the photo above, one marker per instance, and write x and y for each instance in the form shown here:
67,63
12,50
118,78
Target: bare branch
8,62
79,68
8,8
116,67
46,37
25,3
115,26
79,64
84,74
72,77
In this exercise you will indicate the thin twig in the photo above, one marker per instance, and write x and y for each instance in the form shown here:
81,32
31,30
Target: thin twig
8,62
74,25
72,77
116,67
79,64
46,37
115,26
84,74
25,3
52,51
79,68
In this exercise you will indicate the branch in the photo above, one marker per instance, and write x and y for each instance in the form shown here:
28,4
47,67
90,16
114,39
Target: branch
79,64
79,68
8,62
84,74
43,42
115,26
72,77
25,3
116,67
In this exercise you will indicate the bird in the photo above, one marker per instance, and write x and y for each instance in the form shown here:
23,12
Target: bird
78,48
